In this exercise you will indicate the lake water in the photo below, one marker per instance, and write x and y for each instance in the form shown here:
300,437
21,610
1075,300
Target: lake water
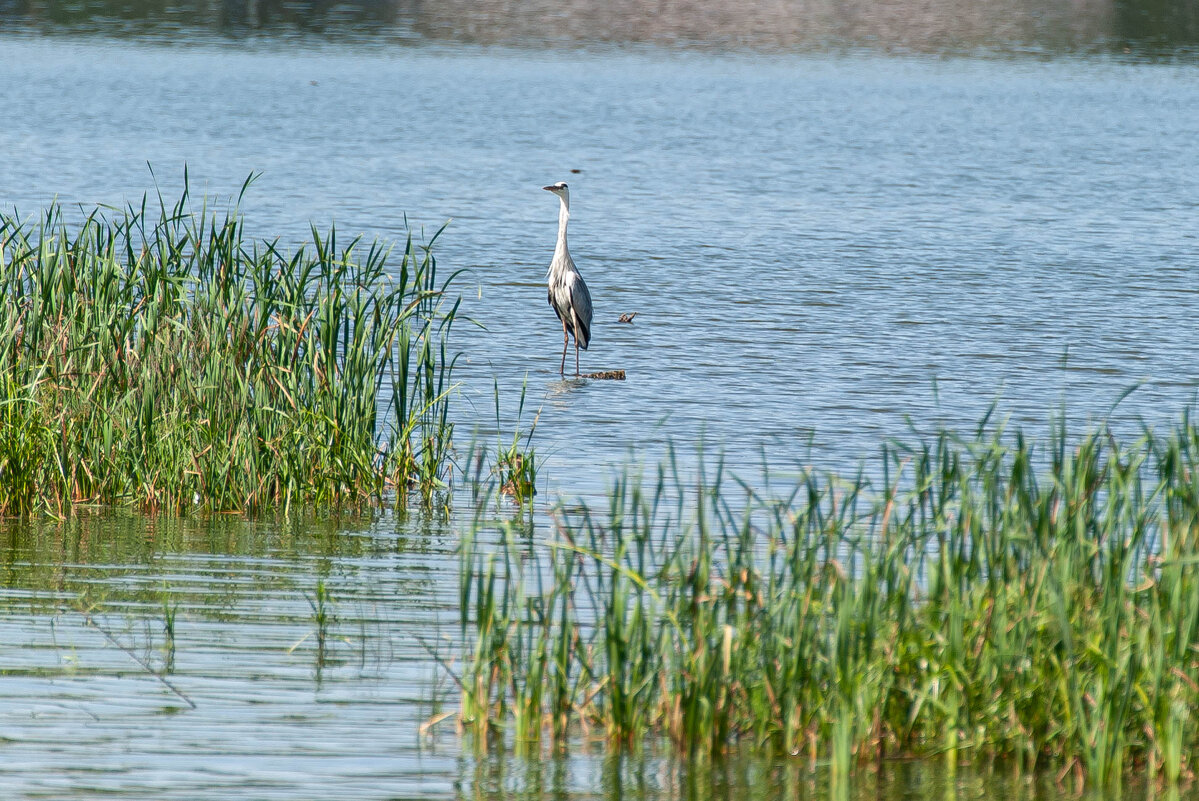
821,243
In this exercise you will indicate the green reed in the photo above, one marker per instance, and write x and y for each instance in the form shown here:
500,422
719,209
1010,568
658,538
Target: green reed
322,616
515,467
157,357
982,598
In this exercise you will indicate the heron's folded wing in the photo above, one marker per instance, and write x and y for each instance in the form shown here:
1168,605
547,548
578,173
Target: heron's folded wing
580,301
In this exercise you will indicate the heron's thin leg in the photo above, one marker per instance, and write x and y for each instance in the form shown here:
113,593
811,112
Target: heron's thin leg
565,343
576,357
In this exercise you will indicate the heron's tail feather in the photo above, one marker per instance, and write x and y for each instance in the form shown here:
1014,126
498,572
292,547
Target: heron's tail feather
581,331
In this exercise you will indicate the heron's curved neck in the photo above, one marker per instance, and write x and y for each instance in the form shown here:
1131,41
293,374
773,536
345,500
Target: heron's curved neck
563,218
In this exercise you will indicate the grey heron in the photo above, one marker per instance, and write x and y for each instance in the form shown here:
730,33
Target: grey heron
568,293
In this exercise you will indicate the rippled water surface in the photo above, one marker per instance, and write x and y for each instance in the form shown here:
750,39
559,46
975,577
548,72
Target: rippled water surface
249,705
819,246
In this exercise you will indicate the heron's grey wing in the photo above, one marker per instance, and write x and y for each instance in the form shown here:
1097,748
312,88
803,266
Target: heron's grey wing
559,298
580,303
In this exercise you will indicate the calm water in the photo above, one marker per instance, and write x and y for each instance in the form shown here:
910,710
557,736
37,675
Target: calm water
819,244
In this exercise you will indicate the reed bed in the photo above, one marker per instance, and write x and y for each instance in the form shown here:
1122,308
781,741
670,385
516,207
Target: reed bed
156,357
983,598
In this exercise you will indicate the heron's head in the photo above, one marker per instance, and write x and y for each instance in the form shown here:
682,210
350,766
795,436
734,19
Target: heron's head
559,189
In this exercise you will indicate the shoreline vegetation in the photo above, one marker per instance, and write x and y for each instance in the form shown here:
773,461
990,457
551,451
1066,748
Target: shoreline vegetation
155,357
992,600
1084,27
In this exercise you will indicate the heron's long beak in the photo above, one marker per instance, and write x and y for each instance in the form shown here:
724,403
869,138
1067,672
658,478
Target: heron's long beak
549,188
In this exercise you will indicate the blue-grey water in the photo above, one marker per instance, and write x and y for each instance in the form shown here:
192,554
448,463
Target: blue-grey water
822,245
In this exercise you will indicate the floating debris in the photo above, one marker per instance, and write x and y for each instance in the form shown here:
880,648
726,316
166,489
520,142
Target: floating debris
627,318
607,375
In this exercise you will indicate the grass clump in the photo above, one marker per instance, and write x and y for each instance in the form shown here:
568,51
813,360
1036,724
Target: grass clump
985,598
516,465
158,358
